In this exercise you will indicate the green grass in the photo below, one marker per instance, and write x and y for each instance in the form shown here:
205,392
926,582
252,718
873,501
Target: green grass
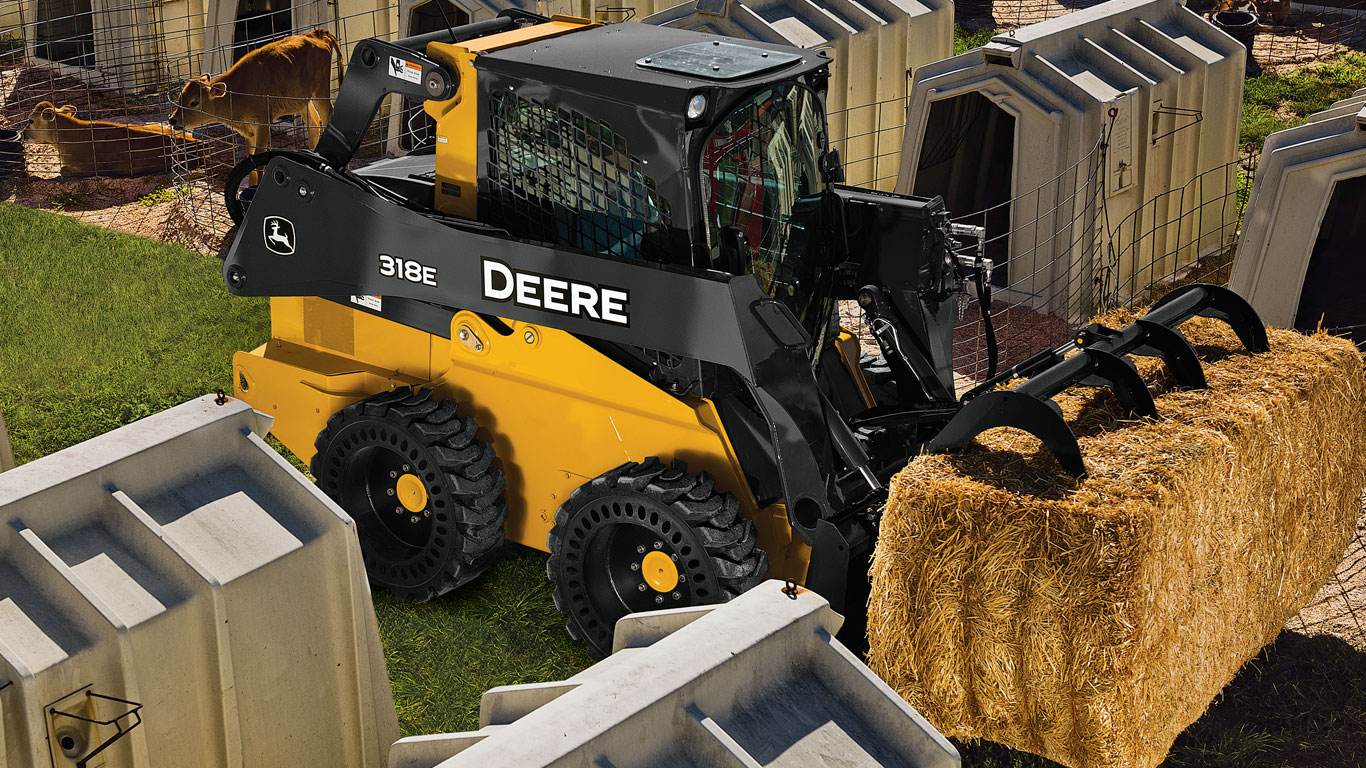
965,39
1273,101
501,629
99,328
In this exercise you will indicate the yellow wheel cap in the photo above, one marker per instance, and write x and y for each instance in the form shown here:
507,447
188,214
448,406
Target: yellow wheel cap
659,571
412,493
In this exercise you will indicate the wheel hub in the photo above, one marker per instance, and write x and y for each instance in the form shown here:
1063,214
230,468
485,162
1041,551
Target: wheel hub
412,493
659,571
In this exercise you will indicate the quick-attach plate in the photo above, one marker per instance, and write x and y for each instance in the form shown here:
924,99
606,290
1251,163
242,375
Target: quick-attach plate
718,60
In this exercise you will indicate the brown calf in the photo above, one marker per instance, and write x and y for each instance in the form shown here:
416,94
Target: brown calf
286,77
99,147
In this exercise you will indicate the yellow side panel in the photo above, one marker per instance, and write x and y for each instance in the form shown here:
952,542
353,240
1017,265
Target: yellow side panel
302,387
338,329
557,412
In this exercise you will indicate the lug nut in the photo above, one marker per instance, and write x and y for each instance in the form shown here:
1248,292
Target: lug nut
426,513
640,549
673,558
682,577
399,510
407,468
659,545
677,595
389,491
635,566
413,519
641,586
659,599
392,474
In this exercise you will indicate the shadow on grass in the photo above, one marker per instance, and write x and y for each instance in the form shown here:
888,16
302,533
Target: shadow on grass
500,629
1300,703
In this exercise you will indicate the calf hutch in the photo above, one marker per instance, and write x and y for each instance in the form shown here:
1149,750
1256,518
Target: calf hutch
137,46
1012,131
1300,256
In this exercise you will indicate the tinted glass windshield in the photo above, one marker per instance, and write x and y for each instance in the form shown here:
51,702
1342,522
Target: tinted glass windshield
756,164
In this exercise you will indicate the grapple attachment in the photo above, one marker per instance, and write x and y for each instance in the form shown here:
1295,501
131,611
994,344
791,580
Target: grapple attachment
1100,361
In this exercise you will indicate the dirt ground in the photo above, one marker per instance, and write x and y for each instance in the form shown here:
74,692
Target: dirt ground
1339,608
108,202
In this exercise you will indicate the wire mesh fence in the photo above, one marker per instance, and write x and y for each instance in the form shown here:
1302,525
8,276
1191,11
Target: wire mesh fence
1187,234
1287,33
1044,245
94,90
869,138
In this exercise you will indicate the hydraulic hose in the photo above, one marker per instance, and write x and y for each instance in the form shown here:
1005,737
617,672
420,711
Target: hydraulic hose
984,303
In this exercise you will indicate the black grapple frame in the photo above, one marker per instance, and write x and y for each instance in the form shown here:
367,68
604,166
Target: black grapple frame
1097,358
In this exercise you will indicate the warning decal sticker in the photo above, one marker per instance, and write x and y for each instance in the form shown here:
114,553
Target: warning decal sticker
405,70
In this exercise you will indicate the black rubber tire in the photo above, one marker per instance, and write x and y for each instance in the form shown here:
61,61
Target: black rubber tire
464,490
598,530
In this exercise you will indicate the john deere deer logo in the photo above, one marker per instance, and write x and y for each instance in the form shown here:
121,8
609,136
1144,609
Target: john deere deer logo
279,233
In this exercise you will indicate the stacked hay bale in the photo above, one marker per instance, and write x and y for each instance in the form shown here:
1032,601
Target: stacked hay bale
1091,621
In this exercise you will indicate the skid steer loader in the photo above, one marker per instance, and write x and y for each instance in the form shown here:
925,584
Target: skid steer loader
594,317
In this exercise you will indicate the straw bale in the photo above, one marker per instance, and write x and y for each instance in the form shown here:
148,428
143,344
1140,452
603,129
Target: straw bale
1092,621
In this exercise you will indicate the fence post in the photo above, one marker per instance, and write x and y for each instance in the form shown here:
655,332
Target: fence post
6,453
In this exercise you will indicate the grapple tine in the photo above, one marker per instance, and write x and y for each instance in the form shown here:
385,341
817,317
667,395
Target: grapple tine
1012,408
1100,361
1214,301
1177,354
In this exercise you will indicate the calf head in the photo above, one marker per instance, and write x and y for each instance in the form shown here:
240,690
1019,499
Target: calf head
197,104
42,124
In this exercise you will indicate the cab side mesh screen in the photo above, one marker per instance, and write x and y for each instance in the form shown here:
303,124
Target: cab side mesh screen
559,177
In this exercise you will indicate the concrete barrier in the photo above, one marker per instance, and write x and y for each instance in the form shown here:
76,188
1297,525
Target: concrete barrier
173,593
758,681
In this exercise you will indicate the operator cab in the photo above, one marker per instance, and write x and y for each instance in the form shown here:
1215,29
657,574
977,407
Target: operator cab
653,143
594,140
